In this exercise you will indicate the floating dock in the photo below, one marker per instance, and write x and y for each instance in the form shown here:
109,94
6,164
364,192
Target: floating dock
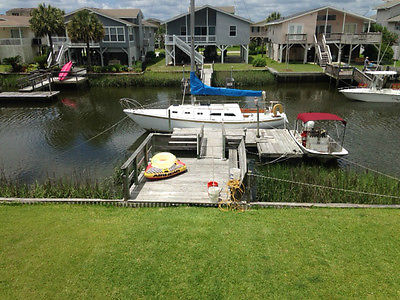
218,153
42,95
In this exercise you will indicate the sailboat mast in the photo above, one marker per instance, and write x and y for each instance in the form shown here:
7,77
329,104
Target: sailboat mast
192,61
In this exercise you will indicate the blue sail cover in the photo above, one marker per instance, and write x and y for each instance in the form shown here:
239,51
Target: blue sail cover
199,88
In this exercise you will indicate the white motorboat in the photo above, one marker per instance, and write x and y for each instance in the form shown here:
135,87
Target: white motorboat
230,115
214,115
315,141
374,93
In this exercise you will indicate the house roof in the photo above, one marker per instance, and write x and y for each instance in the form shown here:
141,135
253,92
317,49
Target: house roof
219,9
149,24
306,12
110,13
388,4
394,19
22,11
260,23
120,13
14,21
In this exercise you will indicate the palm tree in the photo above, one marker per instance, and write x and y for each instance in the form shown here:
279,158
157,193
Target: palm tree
46,21
85,27
273,16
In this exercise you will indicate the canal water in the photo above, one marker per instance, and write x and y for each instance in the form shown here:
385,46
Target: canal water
56,140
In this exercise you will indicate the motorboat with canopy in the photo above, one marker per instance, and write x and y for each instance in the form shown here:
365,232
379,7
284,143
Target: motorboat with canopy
375,92
313,138
195,114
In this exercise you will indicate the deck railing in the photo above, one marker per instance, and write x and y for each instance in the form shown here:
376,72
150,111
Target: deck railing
354,38
296,37
131,169
198,39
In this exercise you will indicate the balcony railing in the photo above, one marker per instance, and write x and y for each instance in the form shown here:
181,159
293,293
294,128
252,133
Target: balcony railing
296,37
15,42
354,38
198,39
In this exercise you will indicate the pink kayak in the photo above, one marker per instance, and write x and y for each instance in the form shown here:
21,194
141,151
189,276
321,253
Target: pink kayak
64,71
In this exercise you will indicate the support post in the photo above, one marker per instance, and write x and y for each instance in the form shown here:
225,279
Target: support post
258,117
305,53
125,185
249,197
351,50
135,171
169,119
326,20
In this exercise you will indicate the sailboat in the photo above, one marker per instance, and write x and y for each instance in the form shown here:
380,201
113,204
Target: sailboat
196,115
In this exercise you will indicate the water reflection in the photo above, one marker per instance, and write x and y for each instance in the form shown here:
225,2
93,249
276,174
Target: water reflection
38,141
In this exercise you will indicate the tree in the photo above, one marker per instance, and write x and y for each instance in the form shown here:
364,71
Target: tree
273,16
85,27
46,21
388,39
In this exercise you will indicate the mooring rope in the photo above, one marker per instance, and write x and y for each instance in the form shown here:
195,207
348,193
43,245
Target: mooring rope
324,186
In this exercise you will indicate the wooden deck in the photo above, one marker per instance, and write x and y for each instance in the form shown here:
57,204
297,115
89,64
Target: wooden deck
43,95
189,187
274,143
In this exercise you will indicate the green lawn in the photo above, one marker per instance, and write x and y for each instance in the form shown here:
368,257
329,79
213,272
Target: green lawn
5,68
292,67
66,252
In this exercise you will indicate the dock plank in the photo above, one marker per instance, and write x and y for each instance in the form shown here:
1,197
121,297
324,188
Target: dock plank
32,95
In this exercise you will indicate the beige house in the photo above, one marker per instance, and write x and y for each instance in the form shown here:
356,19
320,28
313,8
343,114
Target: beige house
323,34
16,38
258,31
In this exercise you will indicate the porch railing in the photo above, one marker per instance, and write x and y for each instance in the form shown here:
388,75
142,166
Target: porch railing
15,41
354,38
296,37
198,39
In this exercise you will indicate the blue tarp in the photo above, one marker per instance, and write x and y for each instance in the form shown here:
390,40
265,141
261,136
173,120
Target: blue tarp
199,88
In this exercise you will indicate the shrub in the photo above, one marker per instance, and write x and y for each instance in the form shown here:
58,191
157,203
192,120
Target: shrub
161,55
41,61
150,56
97,69
15,62
259,62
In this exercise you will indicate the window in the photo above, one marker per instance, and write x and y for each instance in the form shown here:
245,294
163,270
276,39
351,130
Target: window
130,34
232,30
183,30
200,30
323,17
114,34
397,26
229,115
174,112
350,28
187,112
15,34
215,114
200,113
211,30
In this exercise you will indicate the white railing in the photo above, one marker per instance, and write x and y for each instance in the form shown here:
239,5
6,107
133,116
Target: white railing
327,49
59,39
318,48
186,48
198,39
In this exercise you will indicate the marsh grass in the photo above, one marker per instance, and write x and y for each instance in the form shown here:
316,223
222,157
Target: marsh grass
75,186
244,78
9,80
156,79
313,173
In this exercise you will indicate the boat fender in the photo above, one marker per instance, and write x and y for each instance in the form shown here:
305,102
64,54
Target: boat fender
277,107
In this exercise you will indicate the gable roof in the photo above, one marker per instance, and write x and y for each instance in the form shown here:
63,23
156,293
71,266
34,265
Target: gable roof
105,13
21,11
388,4
310,11
14,21
260,23
120,13
149,24
219,9
394,19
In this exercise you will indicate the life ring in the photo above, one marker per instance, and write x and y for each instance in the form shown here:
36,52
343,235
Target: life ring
277,107
164,165
396,86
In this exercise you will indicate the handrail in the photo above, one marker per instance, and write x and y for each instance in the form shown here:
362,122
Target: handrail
318,48
131,168
242,159
128,103
185,48
327,49
199,140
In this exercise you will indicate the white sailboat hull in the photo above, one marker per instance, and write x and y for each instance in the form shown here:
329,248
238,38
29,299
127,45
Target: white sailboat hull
371,95
165,124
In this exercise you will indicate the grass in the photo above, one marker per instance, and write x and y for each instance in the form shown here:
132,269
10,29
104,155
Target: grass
5,68
254,78
275,191
108,188
158,79
292,67
10,80
64,252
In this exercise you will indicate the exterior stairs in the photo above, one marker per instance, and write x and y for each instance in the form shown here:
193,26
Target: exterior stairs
186,49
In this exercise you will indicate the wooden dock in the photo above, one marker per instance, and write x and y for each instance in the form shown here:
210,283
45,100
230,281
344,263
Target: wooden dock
42,95
210,162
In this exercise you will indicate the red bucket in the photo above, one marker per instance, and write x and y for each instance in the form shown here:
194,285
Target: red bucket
212,183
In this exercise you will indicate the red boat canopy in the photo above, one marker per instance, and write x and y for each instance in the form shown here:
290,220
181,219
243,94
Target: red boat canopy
305,117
